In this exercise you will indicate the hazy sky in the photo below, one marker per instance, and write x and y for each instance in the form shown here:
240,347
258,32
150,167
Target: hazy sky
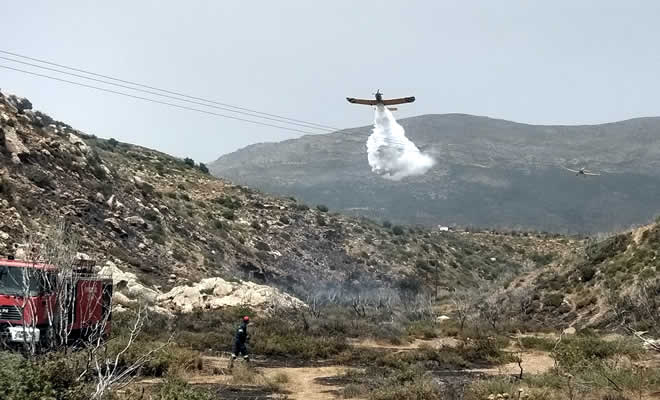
559,62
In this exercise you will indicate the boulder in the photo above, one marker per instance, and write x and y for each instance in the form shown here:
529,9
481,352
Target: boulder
13,143
113,223
79,144
128,284
21,103
217,293
570,331
135,220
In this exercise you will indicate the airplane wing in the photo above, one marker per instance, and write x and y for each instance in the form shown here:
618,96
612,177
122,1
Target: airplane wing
362,101
402,100
572,170
591,174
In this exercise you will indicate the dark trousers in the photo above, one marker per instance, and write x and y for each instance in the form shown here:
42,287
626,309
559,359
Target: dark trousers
240,349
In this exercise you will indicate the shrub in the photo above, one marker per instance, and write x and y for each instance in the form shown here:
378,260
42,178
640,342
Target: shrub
398,230
189,162
113,142
322,208
54,377
553,300
387,224
587,273
320,221
177,389
409,287
299,345
41,179
203,168
285,220
228,214
302,207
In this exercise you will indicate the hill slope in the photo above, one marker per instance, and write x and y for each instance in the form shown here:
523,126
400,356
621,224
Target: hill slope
158,216
489,172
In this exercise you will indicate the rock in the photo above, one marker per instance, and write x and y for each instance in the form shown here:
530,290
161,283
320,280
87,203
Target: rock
570,331
106,170
113,223
442,318
79,144
135,221
216,293
99,197
122,299
128,284
83,257
4,235
21,103
172,276
13,143
138,181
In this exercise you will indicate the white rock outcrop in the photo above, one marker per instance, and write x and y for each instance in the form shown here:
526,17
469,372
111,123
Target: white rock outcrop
217,293
210,293
128,285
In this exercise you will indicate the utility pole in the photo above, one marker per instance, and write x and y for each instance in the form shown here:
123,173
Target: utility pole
436,280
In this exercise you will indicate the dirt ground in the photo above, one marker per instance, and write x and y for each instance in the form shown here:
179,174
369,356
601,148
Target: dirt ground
323,380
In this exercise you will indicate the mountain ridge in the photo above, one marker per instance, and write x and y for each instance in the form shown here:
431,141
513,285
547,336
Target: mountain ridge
479,161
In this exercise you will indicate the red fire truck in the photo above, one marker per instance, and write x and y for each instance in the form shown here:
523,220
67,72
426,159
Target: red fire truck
30,294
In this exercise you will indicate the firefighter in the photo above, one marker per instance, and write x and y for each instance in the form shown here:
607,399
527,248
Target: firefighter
240,342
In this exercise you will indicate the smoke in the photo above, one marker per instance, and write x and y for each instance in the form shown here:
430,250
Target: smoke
390,153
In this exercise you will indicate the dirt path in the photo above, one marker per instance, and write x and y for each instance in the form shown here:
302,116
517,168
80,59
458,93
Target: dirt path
437,342
303,382
533,362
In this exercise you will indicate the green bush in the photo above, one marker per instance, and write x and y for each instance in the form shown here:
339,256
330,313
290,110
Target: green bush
322,208
177,389
54,377
299,346
398,230
203,168
553,300
189,162
531,342
228,214
587,273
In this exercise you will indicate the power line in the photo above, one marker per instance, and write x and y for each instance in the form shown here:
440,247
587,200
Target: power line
166,91
156,101
160,94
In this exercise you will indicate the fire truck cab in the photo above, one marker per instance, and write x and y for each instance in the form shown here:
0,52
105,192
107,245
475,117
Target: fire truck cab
33,296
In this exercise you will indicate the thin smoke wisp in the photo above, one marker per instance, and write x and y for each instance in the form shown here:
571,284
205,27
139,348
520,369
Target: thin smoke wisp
390,153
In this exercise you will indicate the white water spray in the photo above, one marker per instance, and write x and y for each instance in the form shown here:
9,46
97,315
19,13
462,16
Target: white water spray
390,153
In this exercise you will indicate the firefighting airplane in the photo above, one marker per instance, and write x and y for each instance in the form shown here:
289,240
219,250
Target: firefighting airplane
581,171
379,101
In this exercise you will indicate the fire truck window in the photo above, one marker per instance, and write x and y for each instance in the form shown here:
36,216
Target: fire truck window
12,281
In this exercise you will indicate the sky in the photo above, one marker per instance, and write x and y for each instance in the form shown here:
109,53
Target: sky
559,62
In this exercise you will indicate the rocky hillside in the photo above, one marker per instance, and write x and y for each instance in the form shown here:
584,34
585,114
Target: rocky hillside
170,223
613,281
489,173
